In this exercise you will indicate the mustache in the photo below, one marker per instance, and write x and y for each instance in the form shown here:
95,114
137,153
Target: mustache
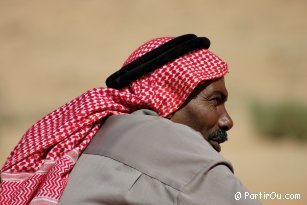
219,135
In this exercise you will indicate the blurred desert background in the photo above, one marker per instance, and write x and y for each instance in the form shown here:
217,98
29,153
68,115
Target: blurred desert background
52,51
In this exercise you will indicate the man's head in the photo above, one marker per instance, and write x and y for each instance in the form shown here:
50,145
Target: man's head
179,77
205,112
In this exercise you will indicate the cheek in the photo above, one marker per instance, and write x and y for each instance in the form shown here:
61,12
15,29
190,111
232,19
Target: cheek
209,118
204,117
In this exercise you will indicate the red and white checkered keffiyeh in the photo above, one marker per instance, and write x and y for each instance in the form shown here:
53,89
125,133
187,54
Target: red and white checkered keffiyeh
37,170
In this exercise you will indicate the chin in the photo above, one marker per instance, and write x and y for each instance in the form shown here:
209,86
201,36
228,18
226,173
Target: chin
216,146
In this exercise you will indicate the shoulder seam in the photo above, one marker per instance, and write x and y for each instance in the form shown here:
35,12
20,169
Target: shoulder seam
135,169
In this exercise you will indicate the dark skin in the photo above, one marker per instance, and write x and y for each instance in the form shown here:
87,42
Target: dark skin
205,112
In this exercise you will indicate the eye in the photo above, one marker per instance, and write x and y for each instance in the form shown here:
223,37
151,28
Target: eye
216,101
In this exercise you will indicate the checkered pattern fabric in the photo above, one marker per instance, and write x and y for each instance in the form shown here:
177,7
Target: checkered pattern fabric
37,170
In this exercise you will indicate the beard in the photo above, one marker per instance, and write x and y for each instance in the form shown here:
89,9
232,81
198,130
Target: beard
217,137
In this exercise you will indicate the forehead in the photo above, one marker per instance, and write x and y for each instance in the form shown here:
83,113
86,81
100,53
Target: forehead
211,86
215,85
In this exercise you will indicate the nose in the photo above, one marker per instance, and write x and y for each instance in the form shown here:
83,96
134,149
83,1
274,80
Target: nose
225,122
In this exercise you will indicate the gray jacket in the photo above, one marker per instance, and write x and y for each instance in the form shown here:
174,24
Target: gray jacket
141,158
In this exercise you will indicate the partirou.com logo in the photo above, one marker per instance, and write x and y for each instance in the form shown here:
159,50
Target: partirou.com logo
266,195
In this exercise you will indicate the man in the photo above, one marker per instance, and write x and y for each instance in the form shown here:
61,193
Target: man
152,137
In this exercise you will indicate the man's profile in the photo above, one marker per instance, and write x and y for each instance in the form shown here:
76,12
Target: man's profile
152,136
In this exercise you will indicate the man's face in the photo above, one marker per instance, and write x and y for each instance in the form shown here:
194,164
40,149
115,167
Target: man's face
205,112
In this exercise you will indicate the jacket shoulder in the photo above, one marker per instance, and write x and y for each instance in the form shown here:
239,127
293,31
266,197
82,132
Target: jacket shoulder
169,152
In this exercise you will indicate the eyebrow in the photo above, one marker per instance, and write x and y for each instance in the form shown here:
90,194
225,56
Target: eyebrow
221,93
